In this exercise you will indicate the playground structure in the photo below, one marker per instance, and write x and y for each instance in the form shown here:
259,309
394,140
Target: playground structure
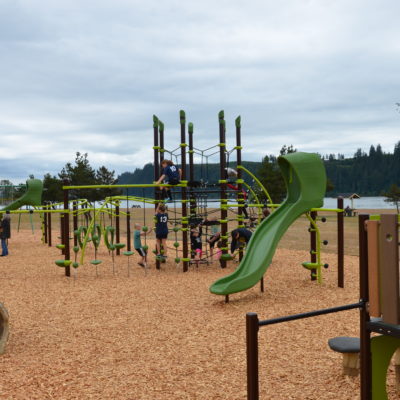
194,209
193,196
379,297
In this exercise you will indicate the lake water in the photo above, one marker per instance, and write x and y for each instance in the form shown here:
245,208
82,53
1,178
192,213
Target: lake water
363,203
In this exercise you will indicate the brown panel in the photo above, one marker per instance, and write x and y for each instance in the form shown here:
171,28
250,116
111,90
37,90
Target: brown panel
373,268
389,261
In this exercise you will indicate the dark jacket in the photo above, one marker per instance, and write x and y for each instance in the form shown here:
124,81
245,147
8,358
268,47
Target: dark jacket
244,236
5,229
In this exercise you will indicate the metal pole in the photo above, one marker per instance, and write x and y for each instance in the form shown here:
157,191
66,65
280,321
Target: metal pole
117,230
340,242
49,229
192,211
240,198
128,230
45,225
184,197
313,245
156,168
365,338
66,228
252,356
75,221
222,162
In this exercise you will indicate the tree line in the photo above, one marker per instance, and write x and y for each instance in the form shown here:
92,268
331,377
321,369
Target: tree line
375,173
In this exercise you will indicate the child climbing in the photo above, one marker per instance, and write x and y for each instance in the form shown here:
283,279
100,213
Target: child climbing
161,230
137,243
171,175
240,237
215,234
196,245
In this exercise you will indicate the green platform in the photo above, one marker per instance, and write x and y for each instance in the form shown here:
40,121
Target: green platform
32,196
305,180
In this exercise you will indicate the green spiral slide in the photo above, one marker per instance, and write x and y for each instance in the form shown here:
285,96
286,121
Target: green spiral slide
32,196
305,180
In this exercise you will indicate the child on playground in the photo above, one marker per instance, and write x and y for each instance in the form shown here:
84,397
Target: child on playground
137,243
196,245
240,237
171,175
161,230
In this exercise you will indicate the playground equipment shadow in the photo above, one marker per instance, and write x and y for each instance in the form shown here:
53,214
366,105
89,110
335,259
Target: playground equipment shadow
163,336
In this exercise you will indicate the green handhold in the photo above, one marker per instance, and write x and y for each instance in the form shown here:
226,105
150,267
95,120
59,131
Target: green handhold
119,245
75,249
145,228
63,263
226,257
127,253
111,247
154,251
96,262
177,260
145,247
176,229
60,246
75,264
176,244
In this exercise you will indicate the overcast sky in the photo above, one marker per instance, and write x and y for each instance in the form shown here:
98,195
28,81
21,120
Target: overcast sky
87,76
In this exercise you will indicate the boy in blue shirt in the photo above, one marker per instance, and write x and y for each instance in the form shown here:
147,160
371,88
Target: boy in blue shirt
171,175
137,244
161,230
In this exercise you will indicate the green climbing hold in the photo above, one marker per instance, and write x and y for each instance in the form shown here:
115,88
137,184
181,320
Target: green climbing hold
119,245
176,244
177,260
175,229
226,257
60,246
127,253
75,249
145,228
155,251
63,263
96,262
75,264
145,247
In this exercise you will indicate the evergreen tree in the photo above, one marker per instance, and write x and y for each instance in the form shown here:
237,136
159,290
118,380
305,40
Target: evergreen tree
52,189
393,196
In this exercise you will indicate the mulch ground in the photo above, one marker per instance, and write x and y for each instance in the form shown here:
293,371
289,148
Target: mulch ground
163,335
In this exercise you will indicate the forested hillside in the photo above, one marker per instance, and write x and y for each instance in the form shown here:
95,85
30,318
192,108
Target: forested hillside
368,174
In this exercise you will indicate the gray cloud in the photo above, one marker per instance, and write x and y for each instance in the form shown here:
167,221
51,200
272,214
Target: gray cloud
88,76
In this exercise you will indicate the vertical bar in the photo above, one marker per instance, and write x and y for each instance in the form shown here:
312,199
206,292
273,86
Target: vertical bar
156,168
66,228
222,163
239,178
161,133
373,268
49,229
75,221
313,245
365,337
117,229
192,211
128,230
183,145
389,269
45,224
340,242
262,284
252,356
62,234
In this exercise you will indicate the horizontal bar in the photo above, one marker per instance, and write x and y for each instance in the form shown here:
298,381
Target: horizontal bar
311,314
138,185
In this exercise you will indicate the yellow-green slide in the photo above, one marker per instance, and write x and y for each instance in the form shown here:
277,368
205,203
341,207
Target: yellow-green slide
32,196
305,180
